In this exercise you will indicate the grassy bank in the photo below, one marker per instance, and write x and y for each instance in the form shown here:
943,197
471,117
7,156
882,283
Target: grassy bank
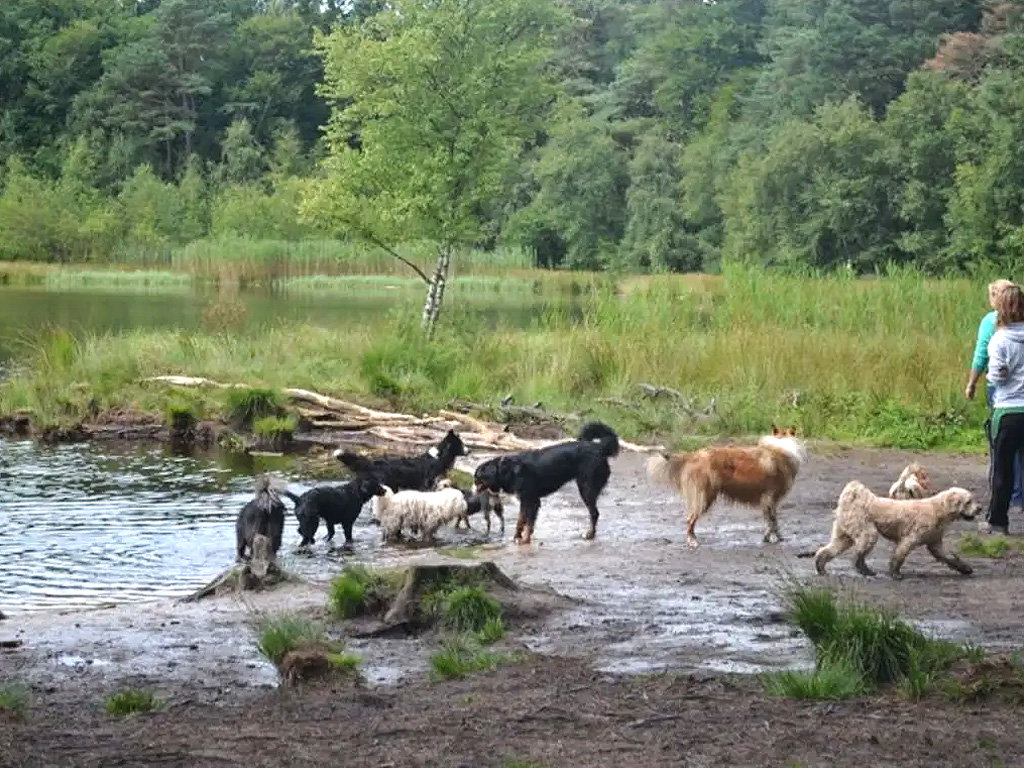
869,361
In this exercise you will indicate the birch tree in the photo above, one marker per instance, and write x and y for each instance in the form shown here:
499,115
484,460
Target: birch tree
433,104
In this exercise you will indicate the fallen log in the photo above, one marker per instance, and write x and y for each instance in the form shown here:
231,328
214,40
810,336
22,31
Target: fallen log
333,413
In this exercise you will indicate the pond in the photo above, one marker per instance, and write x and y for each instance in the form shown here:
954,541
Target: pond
24,312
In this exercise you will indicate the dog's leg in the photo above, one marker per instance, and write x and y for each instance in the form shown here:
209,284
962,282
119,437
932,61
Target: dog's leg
698,502
900,555
863,546
840,543
346,527
771,520
951,560
330,529
590,488
528,509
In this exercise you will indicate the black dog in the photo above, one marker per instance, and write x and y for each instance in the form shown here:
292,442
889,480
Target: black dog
532,475
339,504
263,515
412,473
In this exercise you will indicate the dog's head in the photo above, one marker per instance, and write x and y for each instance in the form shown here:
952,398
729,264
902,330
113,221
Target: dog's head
451,445
783,431
309,521
496,475
961,503
369,487
914,480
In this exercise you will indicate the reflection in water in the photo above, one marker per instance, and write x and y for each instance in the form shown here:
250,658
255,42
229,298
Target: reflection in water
82,525
24,312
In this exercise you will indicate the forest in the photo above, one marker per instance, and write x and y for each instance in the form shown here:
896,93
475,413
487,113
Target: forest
620,135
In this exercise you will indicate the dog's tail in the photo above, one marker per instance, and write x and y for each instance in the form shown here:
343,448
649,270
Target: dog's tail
605,435
289,495
659,469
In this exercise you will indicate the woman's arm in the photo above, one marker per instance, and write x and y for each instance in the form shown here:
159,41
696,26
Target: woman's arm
997,360
979,362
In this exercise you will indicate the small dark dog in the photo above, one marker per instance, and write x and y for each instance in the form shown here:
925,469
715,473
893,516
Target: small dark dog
408,473
532,475
337,505
263,515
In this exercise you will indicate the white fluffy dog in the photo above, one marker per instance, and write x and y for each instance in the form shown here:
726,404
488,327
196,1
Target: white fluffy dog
423,511
912,483
861,516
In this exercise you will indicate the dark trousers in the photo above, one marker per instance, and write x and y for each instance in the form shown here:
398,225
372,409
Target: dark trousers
1018,495
1005,446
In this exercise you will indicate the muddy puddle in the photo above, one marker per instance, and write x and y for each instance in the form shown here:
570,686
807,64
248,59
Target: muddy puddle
96,544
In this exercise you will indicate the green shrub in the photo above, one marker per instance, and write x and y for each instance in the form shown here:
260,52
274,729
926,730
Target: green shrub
131,702
281,634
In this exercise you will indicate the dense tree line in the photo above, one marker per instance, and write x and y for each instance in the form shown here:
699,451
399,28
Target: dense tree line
605,134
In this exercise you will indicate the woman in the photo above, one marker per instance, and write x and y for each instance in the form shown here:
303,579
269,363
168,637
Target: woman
986,328
1006,377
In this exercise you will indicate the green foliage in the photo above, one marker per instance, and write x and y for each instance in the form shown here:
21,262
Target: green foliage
247,405
470,609
131,701
356,591
461,657
858,647
279,635
274,426
995,546
14,700
606,134
841,680
491,632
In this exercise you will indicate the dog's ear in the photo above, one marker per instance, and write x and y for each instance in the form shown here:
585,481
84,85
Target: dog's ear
775,431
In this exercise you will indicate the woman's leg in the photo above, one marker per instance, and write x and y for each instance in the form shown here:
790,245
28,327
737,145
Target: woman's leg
1008,442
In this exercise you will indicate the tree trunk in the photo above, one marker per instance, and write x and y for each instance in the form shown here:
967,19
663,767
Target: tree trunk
435,293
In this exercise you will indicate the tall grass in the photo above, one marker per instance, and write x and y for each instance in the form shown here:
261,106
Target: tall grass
858,648
873,361
243,258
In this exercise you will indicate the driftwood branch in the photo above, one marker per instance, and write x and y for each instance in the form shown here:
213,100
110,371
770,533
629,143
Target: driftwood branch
325,412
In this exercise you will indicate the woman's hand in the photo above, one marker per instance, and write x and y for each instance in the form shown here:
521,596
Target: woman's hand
972,388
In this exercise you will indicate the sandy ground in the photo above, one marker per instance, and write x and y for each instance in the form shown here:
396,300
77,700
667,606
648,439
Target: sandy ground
642,603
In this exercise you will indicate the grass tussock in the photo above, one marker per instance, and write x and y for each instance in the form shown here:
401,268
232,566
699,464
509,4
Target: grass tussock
132,702
278,635
464,656
994,547
834,681
877,362
14,700
359,590
859,648
468,609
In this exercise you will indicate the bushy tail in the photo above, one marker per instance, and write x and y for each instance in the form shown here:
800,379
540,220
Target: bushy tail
605,435
659,469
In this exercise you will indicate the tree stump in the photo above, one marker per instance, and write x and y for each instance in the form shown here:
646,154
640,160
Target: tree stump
423,578
261,572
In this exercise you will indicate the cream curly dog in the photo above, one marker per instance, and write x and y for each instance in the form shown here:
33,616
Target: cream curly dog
861,516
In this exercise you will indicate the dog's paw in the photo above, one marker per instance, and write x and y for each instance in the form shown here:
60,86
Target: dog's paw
692,543
588,535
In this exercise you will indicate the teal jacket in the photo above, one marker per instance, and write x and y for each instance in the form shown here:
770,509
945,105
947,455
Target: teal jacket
986,329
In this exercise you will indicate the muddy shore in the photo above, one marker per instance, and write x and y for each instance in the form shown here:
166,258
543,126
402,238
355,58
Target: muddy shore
642,603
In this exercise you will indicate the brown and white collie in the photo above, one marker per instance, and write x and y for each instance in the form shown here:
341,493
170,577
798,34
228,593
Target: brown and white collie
757,475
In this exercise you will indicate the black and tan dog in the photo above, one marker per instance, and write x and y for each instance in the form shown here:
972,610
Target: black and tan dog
263,515
532,475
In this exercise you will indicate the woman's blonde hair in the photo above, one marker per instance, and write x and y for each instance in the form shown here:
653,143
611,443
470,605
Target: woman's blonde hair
995,288
1009,306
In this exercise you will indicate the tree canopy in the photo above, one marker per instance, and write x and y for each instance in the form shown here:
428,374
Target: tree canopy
597,134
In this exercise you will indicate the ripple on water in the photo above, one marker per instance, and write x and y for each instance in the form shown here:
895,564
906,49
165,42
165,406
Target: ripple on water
82,526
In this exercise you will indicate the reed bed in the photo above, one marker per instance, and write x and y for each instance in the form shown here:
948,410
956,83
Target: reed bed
869,361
